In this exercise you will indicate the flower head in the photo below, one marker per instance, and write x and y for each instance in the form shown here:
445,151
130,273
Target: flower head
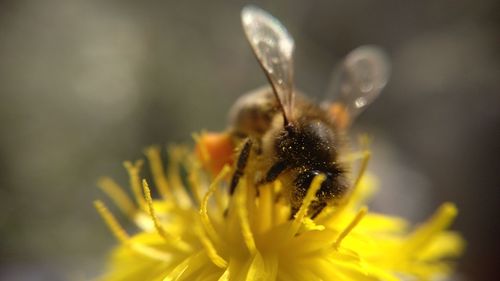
195,231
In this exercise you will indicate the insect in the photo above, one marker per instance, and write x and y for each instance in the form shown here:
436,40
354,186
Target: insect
282,133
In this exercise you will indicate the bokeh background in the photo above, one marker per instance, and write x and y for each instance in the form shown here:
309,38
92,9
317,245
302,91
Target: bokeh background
86,84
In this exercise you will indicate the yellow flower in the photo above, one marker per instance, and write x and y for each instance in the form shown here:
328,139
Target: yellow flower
196,231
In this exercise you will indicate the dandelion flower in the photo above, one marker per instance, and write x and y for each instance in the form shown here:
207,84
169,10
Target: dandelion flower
193,230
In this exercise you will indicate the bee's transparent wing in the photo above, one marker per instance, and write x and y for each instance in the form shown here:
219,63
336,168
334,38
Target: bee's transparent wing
358,81
273,47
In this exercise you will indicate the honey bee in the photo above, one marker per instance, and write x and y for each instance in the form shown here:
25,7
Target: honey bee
282,133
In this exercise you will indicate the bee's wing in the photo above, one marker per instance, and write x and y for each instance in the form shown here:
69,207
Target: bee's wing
273,47
357,82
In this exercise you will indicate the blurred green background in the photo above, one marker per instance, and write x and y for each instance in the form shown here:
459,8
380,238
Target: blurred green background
86,84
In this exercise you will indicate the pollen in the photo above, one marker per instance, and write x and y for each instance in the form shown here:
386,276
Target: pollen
194,230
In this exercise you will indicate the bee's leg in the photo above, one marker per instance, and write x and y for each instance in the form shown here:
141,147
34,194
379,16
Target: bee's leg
271,175
275,171
240,165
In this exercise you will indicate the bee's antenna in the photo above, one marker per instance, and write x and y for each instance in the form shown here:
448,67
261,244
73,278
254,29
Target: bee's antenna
286,121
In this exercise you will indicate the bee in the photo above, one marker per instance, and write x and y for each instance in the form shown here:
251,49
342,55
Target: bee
284,134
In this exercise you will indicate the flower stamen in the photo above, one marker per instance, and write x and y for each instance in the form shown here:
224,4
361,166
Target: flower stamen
265,210
221,200
181,196
354,193
362,169
122,235
276,192
194,181
359,216
150,252
441,219
133,170
210,249
112,222
241,208
175,241
311,194
154,158
119,197
205,220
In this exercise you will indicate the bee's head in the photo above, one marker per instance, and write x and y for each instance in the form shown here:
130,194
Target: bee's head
309,143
